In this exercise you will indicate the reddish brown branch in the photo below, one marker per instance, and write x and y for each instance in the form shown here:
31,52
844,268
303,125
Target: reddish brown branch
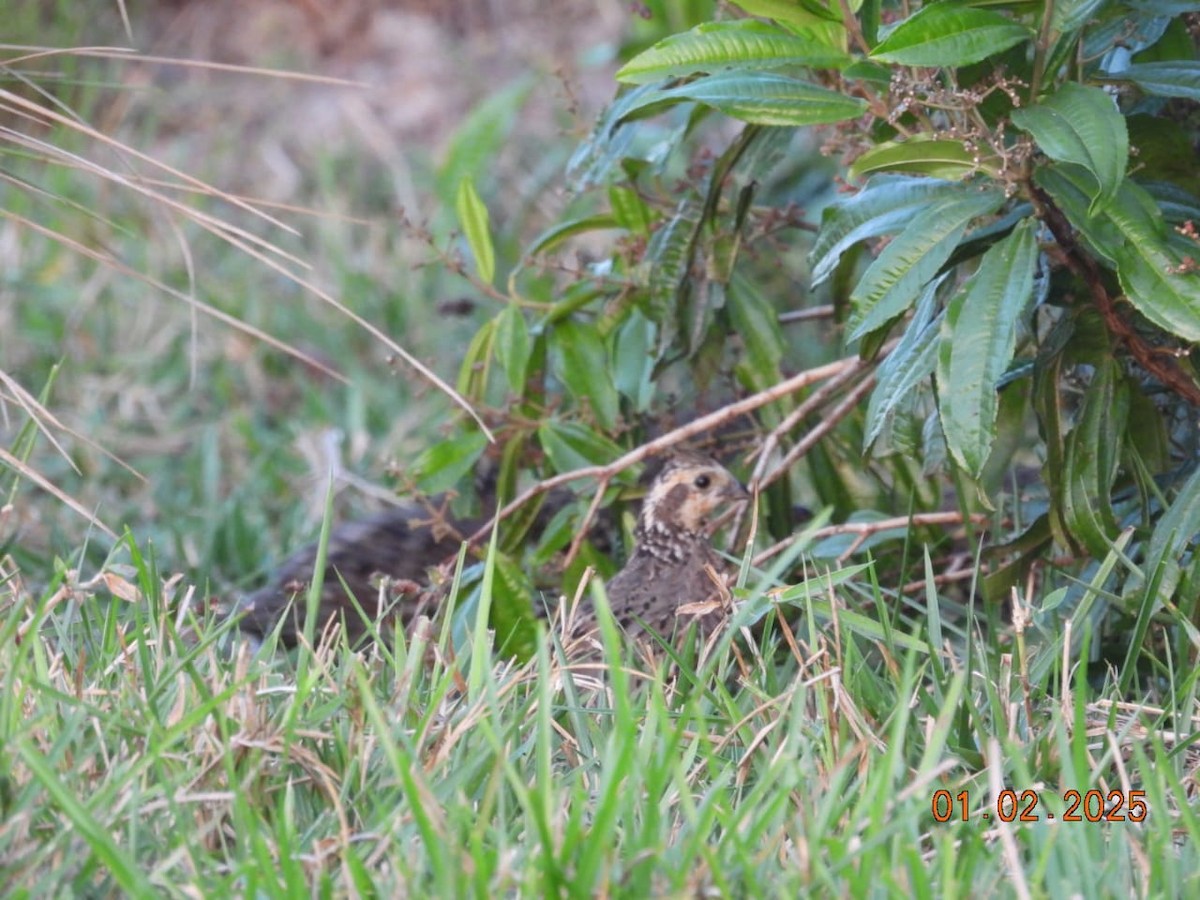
1085,268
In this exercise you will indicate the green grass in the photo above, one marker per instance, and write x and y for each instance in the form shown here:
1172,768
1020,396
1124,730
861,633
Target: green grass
138,762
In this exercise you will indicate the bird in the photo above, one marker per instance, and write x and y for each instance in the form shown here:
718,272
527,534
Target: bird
667,576
382,560
383,563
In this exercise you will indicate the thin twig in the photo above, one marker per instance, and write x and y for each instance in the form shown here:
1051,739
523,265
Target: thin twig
671,438
867,529
826,425
803,315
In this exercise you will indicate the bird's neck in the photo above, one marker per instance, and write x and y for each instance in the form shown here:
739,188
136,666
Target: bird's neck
656,539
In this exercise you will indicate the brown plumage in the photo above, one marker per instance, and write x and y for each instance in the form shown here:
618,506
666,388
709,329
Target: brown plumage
400,544
667,575
666,571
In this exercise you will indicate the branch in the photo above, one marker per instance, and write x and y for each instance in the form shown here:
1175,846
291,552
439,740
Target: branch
865,529
1085,268
671,438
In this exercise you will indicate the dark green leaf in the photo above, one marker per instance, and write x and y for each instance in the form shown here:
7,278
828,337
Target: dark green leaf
756,322
629,210
907,365
977,342
1179,78
884,206
914,257
552,237
741,44
764,98
571,446
580,361
792,12
512,346
444,465
1081,125
634,358
945,34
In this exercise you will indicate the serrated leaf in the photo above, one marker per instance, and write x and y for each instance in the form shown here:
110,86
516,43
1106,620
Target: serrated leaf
1178,78
629,210
744,44
978,337
444,465
944,34
1081,125
669,255
885,205
473,218
512,346
944,159
764,98
580,362
571,446
913,258
907,365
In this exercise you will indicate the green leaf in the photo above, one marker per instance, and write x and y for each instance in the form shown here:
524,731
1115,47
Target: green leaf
629,210
445,464
571,445
1178,78
669,254
512,615
481,136
1175,531
924,155
580,361
552,237
914,257
764,98
906,366
511,345
1081,125
885,205
1092,458
945,34
978,337
634,359
791,12
1132,237
746,44
473,217
756,322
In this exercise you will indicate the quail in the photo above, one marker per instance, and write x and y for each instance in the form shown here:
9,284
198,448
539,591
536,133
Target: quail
400,544
668,570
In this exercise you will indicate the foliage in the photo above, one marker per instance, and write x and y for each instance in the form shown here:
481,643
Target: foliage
1013,254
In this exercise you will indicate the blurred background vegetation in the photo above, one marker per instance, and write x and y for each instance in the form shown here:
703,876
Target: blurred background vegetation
190,430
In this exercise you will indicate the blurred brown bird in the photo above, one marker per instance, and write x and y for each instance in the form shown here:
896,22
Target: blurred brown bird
399,545
666,582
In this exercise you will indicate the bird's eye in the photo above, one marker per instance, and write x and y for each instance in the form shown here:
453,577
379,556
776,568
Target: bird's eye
702,481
